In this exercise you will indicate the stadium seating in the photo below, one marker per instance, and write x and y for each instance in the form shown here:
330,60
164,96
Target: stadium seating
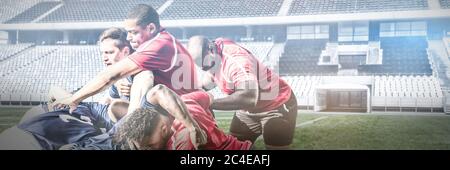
402,92
195,9
445,4
401,55
259,49
407,92
10,50
314,7
23,59
303,87
11,8
33,12
96,10
115,10
300,57
69,67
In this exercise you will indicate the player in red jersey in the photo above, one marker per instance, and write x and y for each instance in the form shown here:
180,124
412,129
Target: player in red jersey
153,128
156,50
265,102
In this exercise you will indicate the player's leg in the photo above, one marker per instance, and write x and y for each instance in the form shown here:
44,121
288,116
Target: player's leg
55,93
245,127
117,109
278,133
17,139
279,126
33,112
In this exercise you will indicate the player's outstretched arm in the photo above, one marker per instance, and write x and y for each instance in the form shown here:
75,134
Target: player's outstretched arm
172,103
102,81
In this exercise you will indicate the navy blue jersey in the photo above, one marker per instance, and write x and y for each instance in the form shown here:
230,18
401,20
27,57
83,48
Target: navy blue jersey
114,93
57,128
105,141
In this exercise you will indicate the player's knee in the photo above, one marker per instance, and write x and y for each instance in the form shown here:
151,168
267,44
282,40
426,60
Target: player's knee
118,109
241,131
278,132
33,112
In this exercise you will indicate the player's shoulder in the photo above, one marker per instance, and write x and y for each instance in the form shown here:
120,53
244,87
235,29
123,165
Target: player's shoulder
164,38
161,41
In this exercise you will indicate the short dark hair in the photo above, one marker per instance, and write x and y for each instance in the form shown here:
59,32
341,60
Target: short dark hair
145,14
136,127
118,35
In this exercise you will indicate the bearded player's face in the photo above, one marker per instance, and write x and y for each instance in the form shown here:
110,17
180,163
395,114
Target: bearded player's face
137,34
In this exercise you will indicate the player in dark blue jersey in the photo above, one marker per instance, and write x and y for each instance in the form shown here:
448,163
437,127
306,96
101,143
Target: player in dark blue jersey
51,130
44,127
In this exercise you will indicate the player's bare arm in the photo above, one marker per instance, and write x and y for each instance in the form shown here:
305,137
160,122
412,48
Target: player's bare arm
123,87
172,103
102,81
142,83
245,96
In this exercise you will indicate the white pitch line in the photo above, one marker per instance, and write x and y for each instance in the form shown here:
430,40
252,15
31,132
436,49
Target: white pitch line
302,124
311,121
223,118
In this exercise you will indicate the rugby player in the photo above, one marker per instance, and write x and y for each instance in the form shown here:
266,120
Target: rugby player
266,104
156,50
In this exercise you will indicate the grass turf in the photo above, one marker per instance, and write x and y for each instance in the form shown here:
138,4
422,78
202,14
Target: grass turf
338,131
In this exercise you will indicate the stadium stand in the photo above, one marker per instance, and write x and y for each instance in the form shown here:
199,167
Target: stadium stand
33,12
389,93
314,7
405,92
259,49
445,4
401,55
11,8
196,9
303,87
96,10
300,57
23,59
69,67
8,50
